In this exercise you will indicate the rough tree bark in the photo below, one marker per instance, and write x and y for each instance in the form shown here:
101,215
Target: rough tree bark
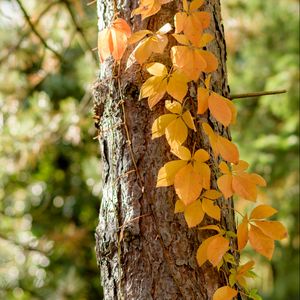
144,250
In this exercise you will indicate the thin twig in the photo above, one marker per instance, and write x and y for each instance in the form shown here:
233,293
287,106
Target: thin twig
32,26
256,94
92,2
80,30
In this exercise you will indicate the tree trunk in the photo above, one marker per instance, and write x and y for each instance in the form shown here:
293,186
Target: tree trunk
144,250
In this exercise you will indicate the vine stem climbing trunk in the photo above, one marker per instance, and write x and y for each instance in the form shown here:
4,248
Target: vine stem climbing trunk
144,250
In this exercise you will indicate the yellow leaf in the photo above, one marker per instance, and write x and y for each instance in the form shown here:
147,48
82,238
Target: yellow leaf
260,242
187,184
194,214
240,166
216,249
157,69
224,293
179,207
244,187
225,185
202,97
224,168
181,39
182,152
242,234
137,36
210,59
176,132
147,8
273,229
160,124
167,173
212,194
188,119
173,106
201,155
257,179
219,109
179,21
204,172
227,149
142,52
177,85
211,209
201,255
263,211
196,4
205,39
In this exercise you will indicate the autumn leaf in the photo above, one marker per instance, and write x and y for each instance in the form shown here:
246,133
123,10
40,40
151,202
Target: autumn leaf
179,207
221,145
222,109
187,184
201,254
113,40
184,173
273,229
224,293
242,234
260,242
192,61
239,182
262,212
155,87
216,249
174,125
149,8
194,214
211,209
191,21
149,43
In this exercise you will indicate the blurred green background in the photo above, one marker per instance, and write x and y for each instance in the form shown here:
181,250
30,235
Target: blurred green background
50,175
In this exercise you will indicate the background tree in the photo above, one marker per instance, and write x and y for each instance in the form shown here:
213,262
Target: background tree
49,179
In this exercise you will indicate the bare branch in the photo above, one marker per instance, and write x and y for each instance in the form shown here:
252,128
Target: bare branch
256,94
32,26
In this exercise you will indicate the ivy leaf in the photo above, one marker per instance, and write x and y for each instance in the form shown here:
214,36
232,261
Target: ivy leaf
262,212
242,234
191,21
273,229
179,207
211,209
194,214
260,242
201,255
221,145
216,249
113,40
166,174
187,184
224,293
149,8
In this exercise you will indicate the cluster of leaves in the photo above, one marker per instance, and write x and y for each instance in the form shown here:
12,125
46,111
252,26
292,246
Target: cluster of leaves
190,174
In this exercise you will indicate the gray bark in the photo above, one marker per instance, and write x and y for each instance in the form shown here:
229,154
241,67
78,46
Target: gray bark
144,250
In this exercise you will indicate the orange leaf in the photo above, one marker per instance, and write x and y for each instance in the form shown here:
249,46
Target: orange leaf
201,255
204,171
177,85
167,173
227,149
113,40
225,293
188,119
176,132
187,184
149,8
260,242
211,209
273,229
194,214
202,97
179,207
262,211
219,109
216,249
225,185
212,194
244,187
242,234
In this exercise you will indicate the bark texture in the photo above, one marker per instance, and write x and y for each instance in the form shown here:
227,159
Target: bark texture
144,250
